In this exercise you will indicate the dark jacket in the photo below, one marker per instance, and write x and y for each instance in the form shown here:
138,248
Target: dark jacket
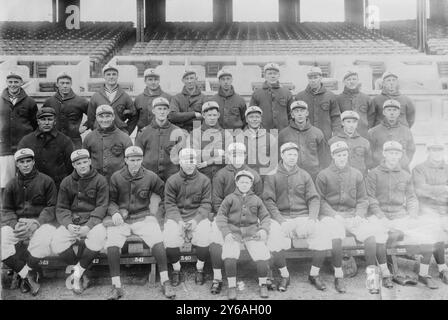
324,112
261,149
224,184
243,216
52,152
275,101
123,106
407,110
187,197
143,104
311,143
431,185
183,107
361,103
69,112
133,194
391,192
106,148
290,194
161,146
383,132
360,156
16,121
32,196
342,191
231,108
82,200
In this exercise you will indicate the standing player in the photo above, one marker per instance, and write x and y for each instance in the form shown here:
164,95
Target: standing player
27,213
69,108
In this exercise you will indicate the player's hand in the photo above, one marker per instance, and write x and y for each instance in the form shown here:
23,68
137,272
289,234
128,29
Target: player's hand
192,225
261,235
117,219
182,227
201,165
286,228
73,229
229,238
82,129
83,231
20,230
198,115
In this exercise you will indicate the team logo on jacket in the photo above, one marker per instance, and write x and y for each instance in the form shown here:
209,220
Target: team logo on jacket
282,101
363,108
116,150
312,145
325,105
401,186
144,194
91,193
253,209
38,199
359,151
353,192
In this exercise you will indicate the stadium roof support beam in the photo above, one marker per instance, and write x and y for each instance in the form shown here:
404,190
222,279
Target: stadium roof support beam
289,11
355,11
438,10
61,8
422,27
222,11
140,21
155,11
54,11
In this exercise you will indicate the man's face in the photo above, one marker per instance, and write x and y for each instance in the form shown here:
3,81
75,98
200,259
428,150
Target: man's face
340,158
105,120
390,84
237,158
190,81
244,184
111,77
25,165
133,163
82,166
350,125
299,114
290,157
46,123
436,154
152,82
225,82
392,157
314,80
188,165
14,85
271,75
211,117
161,113
391,113
64,85
352,82
254,120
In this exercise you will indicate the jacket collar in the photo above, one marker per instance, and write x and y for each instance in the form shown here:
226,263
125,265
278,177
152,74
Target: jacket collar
231,168
54,132
281,169
70,95
120,91
338,170
127,175
155,93
294,125
20,96
388,94
239,194
350,92
185,176
197,91
155,125
92,173
267,85
225,94
342,134
260,132
386,169
30,176
205,127
321,90
110,129
441,165
386,123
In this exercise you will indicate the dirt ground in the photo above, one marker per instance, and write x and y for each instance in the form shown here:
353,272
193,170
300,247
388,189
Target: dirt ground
136,287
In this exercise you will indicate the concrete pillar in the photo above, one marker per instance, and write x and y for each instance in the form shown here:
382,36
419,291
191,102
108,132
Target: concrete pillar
422,28
438,11
222,11
289,11
155,11
354,11
62,6
140,29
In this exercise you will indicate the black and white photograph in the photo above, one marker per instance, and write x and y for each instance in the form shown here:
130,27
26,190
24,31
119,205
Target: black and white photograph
215,150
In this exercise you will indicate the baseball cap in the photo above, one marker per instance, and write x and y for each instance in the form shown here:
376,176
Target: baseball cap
392,145
160,101
23,153
349,114
314,70
45,111
244,173
188,71
271,66
388,74
210,105
236,146
349,73
151,73
104,108
391,103
298,104
338,146
133,151
79,154
288,146
253,109
435,143
63,75
109,67
12,74
223,72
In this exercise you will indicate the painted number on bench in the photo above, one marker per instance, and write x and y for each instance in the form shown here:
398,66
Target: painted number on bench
401,250
138,259
44,262
185,258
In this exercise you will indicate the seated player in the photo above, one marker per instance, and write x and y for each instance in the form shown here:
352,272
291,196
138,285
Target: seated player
187,205
343,208
293,203
243,218
129,213
27,214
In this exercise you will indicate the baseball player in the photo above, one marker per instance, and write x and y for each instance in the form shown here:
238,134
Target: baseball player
394,204
352,99
390,91
187,205
293,203
232,106
391,128
243,218
161,141
360,154
311,140
106,144
273,99
69,108
126,115
144,101
51,147
343,208
81,207
18,118
185,107
431,186
27,213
